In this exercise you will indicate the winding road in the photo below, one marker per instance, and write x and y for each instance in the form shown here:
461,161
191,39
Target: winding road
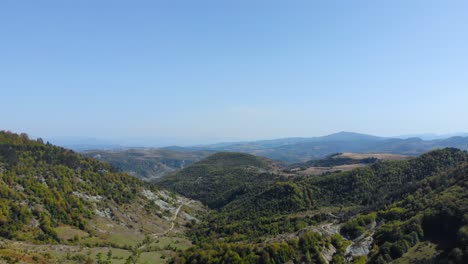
174,218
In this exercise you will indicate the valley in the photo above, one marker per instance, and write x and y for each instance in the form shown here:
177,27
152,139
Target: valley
60,207
146,163
233,132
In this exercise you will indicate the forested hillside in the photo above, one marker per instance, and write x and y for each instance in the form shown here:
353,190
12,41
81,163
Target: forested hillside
50,195
375,214
221,177
38,182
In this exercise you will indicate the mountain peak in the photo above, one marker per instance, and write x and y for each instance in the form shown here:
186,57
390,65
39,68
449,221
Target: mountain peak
346,136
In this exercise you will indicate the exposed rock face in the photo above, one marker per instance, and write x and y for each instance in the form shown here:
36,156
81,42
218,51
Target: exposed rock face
106,212
362,245
328,252
88,197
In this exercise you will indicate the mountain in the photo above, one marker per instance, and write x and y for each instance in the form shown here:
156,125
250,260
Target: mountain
341,136
147,163
385,212
292,150
349,136
58,207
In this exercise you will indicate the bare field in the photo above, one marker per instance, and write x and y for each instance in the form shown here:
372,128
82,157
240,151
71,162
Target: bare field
358,157
322,170
381,156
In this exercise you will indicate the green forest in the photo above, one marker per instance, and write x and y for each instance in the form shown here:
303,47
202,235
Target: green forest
37,184
409,201
257,213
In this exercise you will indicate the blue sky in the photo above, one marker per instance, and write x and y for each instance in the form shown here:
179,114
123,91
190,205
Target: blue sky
199,71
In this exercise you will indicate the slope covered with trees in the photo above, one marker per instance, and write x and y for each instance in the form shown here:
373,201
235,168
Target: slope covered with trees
393,204
38,182
221,178
50,195
436,211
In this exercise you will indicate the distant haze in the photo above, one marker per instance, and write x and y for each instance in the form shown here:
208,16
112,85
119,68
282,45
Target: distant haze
79,144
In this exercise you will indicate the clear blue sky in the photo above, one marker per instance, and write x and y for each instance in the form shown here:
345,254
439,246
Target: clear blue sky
217,70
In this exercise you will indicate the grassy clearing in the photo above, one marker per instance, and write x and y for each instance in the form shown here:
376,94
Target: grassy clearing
381,156
173,242
152,258
420,252
45,254
66,232
322,170
125,239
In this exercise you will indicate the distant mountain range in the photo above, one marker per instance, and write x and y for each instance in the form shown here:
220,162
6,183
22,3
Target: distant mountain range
152,163
431,136
303,149
89,143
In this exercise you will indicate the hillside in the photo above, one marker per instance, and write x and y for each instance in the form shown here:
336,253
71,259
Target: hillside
220,178
147,163
375,214
51,196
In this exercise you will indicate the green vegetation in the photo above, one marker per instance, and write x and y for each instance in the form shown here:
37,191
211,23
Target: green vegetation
383,182
306,249
220,178
409,208
37,184
357,226
405,201
50,196
436,211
